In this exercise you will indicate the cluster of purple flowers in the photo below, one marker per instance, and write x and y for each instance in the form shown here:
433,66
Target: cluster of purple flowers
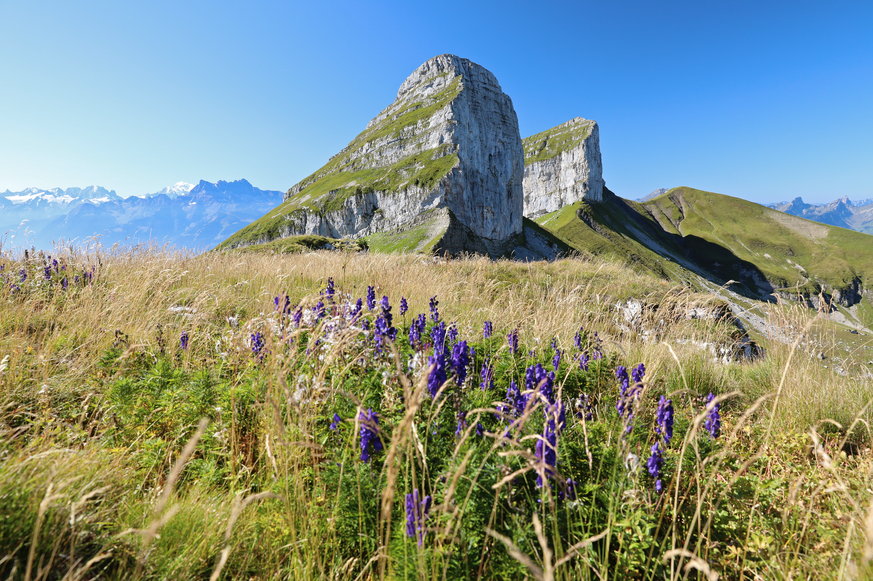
417,512
487,330
416,331
487,375
434,313
584,407
663,435
437,375
370,441
512,339
713,416
460,361
403,306
258,345
183,340
371,298
629,394
537,377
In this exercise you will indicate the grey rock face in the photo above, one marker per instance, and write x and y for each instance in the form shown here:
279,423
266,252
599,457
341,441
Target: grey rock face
562,166
449,140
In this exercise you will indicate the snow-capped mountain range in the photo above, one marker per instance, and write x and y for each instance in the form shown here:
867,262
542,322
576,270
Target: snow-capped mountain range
182,215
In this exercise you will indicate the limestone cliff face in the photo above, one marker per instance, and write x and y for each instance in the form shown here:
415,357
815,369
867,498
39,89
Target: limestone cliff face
562,166
449,141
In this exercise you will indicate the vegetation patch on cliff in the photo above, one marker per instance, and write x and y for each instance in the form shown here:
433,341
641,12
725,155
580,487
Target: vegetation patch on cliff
552,142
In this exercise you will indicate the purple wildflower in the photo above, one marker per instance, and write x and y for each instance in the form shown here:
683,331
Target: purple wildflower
370,442
416,330
556,360
512,339
438,338
536,376
462,423
329,292
654,464
583,361
258,345
487,330
356,310
638,372
451,335
336,422
297,317
480,430
403,306
386,310
381,331
48,273
577,338
434,313
664,420
487,375
713,417
183,340
371,298
568,492
416,515
584,409
64,283
460,361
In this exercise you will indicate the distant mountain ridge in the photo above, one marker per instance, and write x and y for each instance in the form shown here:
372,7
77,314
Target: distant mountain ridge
841,212
183,215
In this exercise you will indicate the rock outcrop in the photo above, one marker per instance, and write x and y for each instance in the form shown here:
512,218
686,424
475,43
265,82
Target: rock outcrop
562,166
447,147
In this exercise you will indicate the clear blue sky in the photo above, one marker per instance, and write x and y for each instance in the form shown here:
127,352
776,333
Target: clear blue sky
760,100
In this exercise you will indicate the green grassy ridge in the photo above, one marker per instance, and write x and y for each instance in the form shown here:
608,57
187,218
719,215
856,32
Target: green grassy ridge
830,255
719,237
551,142
304,243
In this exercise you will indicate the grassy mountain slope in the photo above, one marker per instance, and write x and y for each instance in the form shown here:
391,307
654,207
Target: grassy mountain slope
722,239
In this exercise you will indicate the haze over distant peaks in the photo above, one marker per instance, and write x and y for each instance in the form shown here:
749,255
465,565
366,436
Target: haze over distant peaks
184,215
841,212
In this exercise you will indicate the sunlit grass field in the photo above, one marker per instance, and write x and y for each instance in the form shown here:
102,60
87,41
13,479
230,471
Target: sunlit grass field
244,416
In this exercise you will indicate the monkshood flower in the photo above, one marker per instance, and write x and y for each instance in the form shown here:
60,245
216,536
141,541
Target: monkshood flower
434,313
654,464
283,306
356,310
416,515
536,376
512,339
516,399
336,422
480,430
568,492
556,360
462,423
371,298
487,375
381,331
183,340
547,446
55,264
386,310
64,283
329,292
577,338
451,335
416,329
664,420
370,442
583,361
403,306
297,317
437,376
23,274
318,309
48,273
460,361
258,345
713,417
623,383
438,338
487,330
365,325
638,372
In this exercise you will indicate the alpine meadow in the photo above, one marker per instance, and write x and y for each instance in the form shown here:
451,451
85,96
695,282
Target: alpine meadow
449,353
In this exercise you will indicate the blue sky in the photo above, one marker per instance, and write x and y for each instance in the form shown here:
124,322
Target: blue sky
764,101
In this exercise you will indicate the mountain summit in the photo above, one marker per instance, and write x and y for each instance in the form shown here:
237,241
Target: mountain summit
442,166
